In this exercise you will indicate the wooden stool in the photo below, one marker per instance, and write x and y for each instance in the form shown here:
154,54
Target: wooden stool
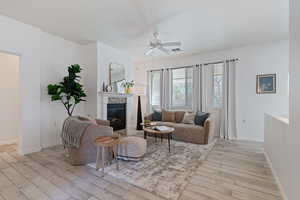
106,142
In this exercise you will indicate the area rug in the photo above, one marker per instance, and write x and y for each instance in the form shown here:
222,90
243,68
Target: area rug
160,172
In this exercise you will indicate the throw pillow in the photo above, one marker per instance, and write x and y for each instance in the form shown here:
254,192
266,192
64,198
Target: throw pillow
179,116
201,117
156,115
168,116
188,118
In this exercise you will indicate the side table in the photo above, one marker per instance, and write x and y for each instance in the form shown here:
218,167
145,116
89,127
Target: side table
106,142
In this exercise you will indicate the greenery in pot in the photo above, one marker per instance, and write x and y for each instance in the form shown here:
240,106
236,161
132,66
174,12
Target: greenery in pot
127,85
69,91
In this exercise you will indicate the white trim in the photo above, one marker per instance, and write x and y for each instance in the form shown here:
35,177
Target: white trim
11,141
25,150
284,196
115,94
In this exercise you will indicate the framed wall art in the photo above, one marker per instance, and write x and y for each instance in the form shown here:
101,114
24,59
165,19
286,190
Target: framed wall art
266,84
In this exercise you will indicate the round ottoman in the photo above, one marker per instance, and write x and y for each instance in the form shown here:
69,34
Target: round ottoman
131,148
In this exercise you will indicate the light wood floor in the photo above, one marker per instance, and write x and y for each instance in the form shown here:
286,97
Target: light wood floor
233,171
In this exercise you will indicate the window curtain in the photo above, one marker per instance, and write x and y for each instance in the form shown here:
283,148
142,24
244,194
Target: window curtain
152,76
207,84
166,89
196,105
148,92
228,116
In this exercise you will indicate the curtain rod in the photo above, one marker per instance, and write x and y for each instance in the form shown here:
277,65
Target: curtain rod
154,70
218,62
187,66
168,68
210,63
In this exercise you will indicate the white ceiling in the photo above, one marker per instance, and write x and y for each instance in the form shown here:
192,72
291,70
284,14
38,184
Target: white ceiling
201,25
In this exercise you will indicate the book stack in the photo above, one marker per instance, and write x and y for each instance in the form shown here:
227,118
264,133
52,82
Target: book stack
161,128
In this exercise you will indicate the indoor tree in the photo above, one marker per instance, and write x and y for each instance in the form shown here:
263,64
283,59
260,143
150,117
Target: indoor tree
69,91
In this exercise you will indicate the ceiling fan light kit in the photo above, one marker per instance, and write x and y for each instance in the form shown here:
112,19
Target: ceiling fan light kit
157,44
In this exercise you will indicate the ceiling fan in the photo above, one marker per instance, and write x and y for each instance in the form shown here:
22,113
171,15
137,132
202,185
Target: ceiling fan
156,43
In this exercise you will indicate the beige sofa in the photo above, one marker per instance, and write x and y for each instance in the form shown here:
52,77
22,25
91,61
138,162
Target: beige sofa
190,132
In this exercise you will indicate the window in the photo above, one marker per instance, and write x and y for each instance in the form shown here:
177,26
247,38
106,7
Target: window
218,85
156,88
181,87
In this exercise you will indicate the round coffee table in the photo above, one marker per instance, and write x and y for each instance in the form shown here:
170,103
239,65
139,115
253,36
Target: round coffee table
161,133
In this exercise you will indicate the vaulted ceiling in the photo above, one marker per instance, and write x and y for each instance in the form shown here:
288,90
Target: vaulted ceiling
201,25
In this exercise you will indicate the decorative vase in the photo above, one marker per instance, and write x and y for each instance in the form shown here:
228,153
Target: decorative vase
127,90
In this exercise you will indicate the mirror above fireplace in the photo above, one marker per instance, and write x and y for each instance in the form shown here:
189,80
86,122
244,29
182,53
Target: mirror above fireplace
116,77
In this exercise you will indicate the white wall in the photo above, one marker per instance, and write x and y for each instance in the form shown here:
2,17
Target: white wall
283,144
43,60
276,143
56,55
256,59
292,172
10,100
90,65
24,40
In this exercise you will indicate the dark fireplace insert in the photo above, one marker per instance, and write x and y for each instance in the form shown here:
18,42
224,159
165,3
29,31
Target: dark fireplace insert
116,114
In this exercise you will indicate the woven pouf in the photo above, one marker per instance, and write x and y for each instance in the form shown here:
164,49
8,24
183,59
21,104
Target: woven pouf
131,148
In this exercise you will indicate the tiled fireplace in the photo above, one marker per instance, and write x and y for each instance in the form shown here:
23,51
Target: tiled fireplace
114,107
116,114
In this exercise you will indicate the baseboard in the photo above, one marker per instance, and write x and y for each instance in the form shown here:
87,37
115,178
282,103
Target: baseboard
12,141
55,143
29,150
276,177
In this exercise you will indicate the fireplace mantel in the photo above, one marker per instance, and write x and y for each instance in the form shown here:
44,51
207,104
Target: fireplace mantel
115,95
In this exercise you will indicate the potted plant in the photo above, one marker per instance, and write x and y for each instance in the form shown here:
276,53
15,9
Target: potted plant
69,91
127,85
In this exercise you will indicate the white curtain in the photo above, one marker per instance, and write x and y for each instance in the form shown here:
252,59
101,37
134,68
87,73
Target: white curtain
166,90
207,84
158,74
228,118
197,88
164,93
148,92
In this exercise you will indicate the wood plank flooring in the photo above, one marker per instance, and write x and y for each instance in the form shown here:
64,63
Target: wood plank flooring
232,171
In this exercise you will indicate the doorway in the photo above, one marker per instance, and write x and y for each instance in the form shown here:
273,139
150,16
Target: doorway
10,108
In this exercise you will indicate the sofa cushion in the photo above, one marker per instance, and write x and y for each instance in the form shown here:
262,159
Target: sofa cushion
189,118
170,124
189,133
179,116
156,115
188,127
200,118
168,116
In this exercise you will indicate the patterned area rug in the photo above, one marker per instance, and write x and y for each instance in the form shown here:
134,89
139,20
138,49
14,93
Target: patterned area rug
160,172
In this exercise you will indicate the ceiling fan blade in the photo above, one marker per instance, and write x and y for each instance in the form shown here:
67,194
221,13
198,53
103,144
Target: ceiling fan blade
168,44
164,49
149,51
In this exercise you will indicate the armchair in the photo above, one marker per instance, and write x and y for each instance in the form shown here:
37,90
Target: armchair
86,153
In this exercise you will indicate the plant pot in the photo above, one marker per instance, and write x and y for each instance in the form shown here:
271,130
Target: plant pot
127,90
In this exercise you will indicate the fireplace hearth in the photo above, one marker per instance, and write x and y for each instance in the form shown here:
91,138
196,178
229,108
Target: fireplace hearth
116,114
